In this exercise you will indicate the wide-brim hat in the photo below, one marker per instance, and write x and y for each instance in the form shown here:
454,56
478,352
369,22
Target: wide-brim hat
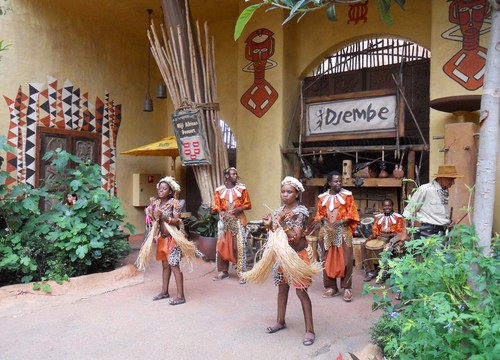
448,171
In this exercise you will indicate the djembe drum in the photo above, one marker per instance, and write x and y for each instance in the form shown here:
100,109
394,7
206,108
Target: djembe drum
365,226
313,242
374,248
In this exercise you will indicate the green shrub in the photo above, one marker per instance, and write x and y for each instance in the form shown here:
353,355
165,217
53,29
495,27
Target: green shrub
440,315
205,223
59,242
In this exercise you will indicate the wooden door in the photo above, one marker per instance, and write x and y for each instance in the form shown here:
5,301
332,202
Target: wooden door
84,145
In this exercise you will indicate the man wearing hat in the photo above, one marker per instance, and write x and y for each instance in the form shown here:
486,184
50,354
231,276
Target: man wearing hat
429,204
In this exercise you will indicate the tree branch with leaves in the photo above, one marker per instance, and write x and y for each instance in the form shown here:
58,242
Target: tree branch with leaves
299,8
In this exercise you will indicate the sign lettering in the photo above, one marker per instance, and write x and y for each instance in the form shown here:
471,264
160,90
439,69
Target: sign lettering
355,117
193,146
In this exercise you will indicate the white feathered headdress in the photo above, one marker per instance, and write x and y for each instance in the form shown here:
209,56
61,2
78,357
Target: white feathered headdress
289,180
171,182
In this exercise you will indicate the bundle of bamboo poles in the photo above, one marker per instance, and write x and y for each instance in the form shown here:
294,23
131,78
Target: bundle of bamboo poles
177,69
277,250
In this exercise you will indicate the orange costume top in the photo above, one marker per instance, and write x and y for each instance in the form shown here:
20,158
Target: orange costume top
165,244
226,199
342,204
392,224
334,207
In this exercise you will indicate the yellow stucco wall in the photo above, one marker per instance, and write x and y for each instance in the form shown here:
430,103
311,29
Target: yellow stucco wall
49,37
259,160
82,42
441,85
318,37
300,47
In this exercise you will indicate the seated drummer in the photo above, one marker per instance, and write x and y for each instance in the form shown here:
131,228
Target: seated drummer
387,225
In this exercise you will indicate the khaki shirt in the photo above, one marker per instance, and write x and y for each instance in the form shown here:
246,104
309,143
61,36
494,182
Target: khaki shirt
426,206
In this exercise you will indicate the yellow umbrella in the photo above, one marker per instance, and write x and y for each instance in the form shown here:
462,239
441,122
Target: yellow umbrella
165,147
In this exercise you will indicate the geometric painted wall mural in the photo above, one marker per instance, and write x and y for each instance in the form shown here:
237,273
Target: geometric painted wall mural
259,49
466,67
60,108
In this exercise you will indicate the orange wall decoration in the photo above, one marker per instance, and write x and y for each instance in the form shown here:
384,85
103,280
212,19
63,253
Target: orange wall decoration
466,67
259,49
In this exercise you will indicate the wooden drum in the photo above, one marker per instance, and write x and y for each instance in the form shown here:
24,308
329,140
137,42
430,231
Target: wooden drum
313,242
374,247
358,257
365,226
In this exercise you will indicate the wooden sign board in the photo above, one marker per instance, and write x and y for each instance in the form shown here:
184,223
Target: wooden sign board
192,144
360,115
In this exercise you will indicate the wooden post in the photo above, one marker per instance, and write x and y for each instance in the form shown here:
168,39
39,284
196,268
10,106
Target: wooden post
411,171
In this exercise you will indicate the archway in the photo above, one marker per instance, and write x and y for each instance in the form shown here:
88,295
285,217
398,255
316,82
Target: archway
357,73
369,53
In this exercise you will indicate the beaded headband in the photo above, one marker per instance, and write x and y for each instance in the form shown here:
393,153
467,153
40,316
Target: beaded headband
289,180
171,182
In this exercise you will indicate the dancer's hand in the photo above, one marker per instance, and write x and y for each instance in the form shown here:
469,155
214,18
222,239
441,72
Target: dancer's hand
267,219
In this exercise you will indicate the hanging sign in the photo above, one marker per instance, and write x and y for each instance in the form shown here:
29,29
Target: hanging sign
192,143
370,114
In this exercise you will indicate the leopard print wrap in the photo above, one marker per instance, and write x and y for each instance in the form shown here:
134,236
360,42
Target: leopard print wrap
231,224
234,226
175,256
327,235
343,234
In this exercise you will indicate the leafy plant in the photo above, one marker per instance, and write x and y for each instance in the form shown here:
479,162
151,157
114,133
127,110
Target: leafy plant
205,223
302,7
440,316
59,242
3,10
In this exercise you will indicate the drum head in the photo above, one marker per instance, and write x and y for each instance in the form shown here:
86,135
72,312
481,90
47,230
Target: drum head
375,244
367,220
256,222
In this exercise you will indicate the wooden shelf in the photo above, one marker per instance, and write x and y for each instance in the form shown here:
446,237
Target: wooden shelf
368,182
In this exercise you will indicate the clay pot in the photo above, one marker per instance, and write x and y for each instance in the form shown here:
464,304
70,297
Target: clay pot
398,172
207,246
383,174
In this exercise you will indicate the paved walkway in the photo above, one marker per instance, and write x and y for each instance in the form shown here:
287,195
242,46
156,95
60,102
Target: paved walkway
111,316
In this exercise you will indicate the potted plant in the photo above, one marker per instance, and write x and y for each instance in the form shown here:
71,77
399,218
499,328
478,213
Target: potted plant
203,230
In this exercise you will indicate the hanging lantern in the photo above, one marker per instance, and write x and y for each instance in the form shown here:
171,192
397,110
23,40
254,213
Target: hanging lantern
161,91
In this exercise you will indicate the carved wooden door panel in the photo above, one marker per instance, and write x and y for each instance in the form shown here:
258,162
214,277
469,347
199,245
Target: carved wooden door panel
86,146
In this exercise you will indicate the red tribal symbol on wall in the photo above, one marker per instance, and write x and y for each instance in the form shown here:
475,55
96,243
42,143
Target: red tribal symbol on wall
467,66
63,108
261,95
357,12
